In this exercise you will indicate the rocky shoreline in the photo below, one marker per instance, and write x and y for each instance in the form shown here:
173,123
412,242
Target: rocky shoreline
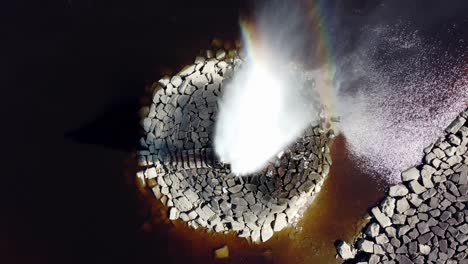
177,162
424,219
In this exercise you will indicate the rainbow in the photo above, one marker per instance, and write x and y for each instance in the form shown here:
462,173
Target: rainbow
320,21
319,26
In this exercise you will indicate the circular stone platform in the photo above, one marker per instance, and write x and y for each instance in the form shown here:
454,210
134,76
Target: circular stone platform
177,157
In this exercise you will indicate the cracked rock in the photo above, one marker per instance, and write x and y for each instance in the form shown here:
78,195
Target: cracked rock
398,190
373,230
410,174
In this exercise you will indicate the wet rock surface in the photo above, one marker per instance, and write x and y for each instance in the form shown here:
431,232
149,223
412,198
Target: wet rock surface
425,218
177,151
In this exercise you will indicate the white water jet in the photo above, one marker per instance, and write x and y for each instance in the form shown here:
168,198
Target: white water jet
397,92
261,112
270,101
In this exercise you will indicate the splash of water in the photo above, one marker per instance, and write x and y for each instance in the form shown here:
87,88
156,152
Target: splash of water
397,91
261,117
270,101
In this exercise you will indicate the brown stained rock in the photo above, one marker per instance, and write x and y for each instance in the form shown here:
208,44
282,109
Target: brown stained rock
222,252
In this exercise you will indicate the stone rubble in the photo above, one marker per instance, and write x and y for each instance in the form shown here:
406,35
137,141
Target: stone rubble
177,153
425,218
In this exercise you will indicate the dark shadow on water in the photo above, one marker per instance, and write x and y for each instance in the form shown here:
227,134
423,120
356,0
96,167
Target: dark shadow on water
117,129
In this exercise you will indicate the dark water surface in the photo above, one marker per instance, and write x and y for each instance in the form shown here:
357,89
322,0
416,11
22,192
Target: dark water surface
68,201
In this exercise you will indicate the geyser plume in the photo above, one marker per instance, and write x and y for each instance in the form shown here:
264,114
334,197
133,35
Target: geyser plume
270,100
394,87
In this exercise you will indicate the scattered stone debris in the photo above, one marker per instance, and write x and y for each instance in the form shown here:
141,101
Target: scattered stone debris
222,252
425,218
177,156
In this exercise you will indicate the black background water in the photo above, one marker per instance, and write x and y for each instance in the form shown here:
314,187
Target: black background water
79,67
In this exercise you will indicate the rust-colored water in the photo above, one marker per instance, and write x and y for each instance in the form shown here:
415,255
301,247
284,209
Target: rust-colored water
337,213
